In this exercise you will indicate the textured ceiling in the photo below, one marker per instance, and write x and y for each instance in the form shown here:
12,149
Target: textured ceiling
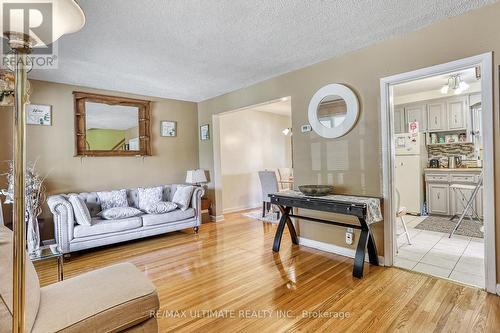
198,49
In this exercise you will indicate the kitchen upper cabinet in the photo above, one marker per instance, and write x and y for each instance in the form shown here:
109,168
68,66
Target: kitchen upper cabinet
437,198
418,113
457,110
399,120
436,115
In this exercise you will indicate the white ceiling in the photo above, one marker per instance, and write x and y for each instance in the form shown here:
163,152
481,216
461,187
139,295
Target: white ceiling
434,83
197,49
115,117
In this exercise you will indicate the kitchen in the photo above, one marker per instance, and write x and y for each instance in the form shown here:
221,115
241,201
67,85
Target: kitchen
438,176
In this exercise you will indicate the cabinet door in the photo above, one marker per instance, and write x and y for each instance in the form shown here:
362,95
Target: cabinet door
436,115
458,201
399,121
437,197
479,203
417,113
457,113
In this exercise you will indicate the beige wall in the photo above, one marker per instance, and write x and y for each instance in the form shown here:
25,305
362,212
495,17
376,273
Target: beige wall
6,122
353,162
250,141
53,146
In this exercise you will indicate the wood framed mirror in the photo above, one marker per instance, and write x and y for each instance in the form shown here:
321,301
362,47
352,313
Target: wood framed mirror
111,126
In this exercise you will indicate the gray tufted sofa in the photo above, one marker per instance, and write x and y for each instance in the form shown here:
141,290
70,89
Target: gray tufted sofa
72,237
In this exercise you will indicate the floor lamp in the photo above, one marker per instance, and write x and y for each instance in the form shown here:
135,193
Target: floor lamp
59,17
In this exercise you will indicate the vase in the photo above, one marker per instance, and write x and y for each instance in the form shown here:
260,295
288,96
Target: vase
32,235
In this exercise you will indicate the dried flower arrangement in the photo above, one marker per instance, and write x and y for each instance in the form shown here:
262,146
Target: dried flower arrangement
35,198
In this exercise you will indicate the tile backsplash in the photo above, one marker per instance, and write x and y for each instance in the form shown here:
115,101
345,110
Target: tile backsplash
442,152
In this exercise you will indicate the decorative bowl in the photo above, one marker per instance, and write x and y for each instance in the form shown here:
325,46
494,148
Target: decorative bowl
316,190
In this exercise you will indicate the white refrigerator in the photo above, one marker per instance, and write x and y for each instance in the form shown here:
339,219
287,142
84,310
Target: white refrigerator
411,160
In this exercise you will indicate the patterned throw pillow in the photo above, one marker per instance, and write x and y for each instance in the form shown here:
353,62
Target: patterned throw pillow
182,196
117,213
161,207
82,213
113,199
149,196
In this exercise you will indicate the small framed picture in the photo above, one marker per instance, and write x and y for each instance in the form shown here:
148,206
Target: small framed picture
205,132
37,114
168,128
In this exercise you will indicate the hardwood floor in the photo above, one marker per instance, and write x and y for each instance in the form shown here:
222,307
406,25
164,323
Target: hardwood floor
230,270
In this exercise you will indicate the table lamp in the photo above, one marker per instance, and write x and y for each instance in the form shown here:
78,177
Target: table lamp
22,28
196,177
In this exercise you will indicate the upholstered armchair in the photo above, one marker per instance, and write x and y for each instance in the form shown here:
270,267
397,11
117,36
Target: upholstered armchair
118,298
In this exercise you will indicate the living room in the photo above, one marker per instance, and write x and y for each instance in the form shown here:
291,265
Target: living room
135,224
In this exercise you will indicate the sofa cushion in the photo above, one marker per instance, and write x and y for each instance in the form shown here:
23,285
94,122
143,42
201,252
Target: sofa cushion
110,299
100,227
112,199
161,207
149,196
182,196
117,213
174,216
80,210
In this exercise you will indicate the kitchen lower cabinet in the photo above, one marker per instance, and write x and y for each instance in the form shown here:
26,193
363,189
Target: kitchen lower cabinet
458,201
437,199
442,199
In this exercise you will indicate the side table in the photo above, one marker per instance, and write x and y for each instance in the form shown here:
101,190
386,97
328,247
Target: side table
50,252
206,204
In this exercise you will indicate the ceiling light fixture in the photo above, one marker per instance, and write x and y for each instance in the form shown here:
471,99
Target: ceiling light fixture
455,83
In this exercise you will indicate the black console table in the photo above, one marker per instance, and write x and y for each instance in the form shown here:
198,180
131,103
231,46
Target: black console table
367,210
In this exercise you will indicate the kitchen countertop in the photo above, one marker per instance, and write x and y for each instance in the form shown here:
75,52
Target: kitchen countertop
454,170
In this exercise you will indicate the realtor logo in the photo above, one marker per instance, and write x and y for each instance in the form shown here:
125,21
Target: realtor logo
34,20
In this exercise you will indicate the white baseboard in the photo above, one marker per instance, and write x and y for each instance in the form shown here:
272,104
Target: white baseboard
237,209
343,251
217,218
498,289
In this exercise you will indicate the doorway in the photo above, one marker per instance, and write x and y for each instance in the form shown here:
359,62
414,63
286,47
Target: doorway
437,134
252,139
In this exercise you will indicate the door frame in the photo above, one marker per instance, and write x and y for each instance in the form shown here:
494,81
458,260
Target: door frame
388,153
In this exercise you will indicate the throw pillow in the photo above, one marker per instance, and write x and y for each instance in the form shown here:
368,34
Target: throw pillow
82,213
182,196
149,196
161,207
117,213
113,199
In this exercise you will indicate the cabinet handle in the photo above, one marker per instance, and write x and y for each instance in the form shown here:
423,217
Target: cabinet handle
439,197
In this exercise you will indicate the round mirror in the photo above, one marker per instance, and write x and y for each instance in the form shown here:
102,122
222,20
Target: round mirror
333,111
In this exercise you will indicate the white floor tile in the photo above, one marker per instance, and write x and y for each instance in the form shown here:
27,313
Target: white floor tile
475,280
470,265
439,258
459,258
414,255
432,270
404,263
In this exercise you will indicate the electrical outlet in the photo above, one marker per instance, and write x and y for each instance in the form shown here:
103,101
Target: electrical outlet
349,238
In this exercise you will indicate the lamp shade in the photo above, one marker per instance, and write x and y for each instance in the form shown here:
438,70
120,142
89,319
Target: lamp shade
60,17
196,176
